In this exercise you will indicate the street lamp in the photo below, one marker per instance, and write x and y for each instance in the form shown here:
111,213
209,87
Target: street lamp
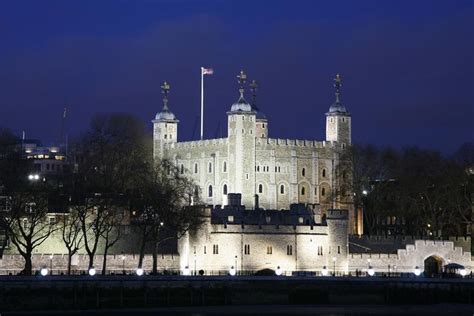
278,271
417,271
139,271
324,271
371,271
334,265
232,271
365,192
44,272
92,271
186,270
463,272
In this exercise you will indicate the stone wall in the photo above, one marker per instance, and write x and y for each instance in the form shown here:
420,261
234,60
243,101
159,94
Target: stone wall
14,263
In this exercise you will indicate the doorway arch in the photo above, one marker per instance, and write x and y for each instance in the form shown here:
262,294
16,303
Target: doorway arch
433,266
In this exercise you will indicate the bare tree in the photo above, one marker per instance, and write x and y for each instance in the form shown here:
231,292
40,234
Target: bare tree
28,224
168,213
71,232
111,233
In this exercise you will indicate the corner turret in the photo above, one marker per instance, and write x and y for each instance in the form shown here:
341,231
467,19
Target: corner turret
338,119
165,126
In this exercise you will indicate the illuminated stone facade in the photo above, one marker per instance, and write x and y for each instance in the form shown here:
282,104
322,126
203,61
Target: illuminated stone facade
269,173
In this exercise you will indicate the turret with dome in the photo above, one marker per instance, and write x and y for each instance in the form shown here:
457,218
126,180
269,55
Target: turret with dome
165,125
338,119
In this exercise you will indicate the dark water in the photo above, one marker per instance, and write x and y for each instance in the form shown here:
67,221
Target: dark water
281,310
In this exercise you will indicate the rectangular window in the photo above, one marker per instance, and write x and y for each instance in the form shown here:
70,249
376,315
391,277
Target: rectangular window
289,250
338,249
247,249
215,249
205,250
269,250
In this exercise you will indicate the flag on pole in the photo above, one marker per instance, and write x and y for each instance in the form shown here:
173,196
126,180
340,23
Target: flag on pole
207,71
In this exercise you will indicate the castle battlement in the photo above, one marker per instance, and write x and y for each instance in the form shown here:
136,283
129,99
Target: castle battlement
198,143
295,142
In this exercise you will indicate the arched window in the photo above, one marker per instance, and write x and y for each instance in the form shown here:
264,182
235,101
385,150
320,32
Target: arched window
302,191
196,191
196,168
324,173
209,193
182,169
260,188
303,172
323,192
225,167
210,167
282,189
224,189
258,168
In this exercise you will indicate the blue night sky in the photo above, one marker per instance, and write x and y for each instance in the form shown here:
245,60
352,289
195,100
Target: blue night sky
408,66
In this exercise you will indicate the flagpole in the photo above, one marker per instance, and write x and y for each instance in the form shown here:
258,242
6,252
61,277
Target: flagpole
202,101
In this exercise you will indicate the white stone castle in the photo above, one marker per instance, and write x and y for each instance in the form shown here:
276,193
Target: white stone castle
269,173
272,204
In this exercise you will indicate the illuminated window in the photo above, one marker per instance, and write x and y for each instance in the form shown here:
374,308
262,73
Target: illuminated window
224,189
282,189
289,250
260,188
230,218
246,249
269,250
209,193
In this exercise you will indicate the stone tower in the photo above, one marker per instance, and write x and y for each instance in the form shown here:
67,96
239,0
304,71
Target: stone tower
165,126
241,130
338,243
338,120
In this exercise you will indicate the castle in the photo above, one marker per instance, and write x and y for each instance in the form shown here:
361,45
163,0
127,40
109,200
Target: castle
268,173
271,204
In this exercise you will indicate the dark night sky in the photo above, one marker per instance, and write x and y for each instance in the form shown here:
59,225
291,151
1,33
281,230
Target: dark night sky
408,66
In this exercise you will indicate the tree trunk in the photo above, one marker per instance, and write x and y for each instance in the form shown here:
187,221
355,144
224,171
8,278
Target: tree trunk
91,259
142,249
155,257
28,264
104,262
69,261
